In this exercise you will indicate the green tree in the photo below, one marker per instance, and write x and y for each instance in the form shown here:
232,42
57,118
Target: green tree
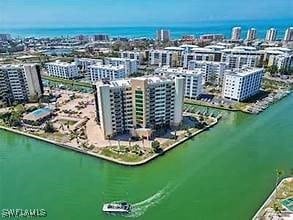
49,127
156,146
272,69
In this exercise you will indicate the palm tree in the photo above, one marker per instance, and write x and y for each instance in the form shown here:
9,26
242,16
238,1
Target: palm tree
279,174
109,139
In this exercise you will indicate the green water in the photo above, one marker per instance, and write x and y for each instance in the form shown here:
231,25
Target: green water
225,173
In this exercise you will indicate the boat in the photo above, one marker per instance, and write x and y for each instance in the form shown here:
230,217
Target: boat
117,207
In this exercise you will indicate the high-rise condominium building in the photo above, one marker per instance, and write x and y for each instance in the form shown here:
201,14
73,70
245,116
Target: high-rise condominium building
20,83
236,34
100,37
139,105
241,84
251,34
163,35
62,69
289,34
5,37
193,79
271,35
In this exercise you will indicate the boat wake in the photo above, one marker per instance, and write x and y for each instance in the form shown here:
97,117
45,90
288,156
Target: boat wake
141,207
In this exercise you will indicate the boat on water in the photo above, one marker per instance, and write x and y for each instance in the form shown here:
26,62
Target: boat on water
117,207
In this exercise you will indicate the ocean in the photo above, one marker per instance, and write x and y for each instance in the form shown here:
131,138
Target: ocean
194,28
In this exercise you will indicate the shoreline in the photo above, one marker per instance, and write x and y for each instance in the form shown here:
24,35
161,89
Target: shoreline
257,215
89,153
191,102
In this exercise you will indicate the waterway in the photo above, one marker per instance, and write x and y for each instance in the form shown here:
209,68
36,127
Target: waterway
225,173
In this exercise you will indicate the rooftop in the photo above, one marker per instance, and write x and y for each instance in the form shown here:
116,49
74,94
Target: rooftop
244,71
60,63
107,67
38,114
169,70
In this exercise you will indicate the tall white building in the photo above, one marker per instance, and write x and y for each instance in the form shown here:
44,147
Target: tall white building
63,69
130,65
5,37
211,71
289,34
20,83
242,84
106,72
164,58
163,35
139,105
193,83
271,35
251,34
137,55
236,34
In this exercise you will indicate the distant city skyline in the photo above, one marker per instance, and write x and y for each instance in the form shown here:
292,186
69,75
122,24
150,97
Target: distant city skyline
87,13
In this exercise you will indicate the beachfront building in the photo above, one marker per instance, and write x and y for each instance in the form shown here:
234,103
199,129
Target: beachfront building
212,37
236,34
164,58
137,55
212,72
106,72
251,34
288,34
271,35
241,56
20,84
139,105
241,84
130,65
62,69
100,37
5,37
193,79
163,35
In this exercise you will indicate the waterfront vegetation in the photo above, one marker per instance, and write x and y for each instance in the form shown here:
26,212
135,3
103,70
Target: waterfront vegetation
275,204
68,81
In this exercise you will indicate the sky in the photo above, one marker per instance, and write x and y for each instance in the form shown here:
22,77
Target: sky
87,13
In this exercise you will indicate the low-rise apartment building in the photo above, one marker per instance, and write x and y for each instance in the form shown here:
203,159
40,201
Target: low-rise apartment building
193,79
164,58
212,71
106,72
130,65
137,55
241,56
62,69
